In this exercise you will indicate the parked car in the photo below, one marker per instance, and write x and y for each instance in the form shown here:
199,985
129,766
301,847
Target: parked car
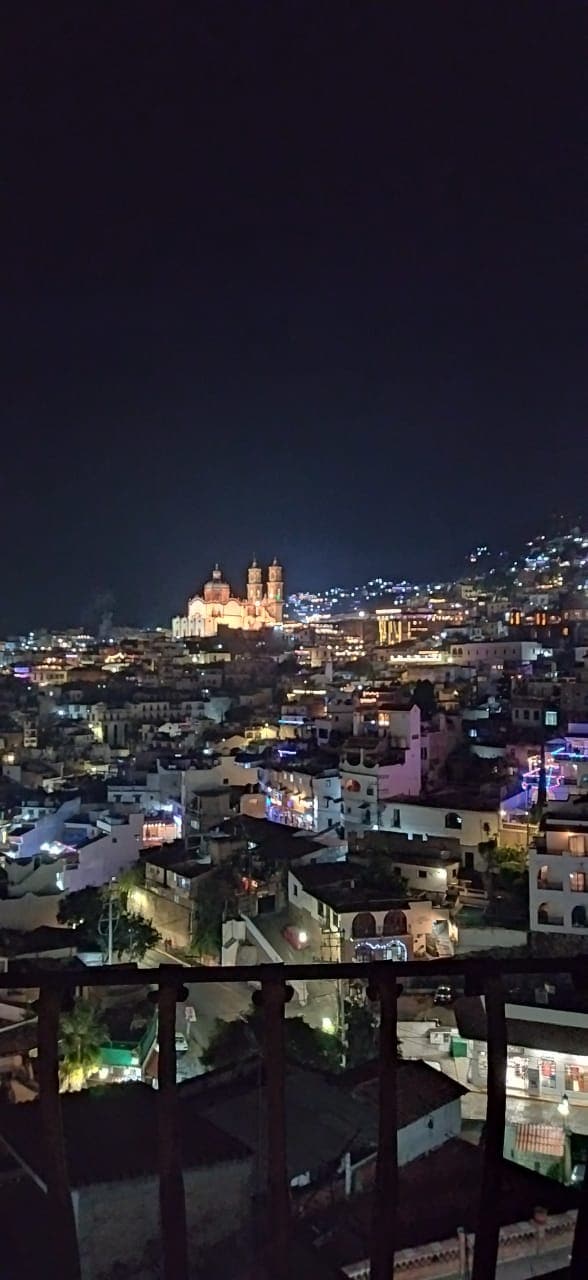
443,995
182,1045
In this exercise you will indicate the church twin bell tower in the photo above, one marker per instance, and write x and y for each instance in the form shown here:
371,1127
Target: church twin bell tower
273,598
217,607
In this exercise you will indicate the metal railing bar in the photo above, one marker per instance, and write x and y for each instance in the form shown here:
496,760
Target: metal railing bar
172,1200
174,975
579,1256
385,1196
63,1261
273,1001
488,1221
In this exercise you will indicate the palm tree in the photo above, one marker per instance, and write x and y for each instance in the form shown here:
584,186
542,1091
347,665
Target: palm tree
82,1033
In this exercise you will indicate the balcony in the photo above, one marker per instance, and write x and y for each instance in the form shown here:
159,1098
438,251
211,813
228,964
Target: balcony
281,1247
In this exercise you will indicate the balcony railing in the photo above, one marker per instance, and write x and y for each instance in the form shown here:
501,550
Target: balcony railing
481,976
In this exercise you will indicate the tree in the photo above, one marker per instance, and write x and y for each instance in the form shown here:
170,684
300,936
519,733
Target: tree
87,910
361,1033
380,873
423,697
506,881
310,1047
82,1033
305,1045
134,935
132,877
82,910
216,894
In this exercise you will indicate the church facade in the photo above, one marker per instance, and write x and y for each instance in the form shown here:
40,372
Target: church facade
218,607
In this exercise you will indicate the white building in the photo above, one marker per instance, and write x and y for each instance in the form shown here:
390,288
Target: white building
558,871
88,850
377,766
301,797
547,1049
450,815
495,653
346,923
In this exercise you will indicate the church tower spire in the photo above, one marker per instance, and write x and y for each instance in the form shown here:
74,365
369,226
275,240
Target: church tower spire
254,584
275,591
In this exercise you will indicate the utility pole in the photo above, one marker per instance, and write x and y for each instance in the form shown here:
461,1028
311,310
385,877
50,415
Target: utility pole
110,926
108,922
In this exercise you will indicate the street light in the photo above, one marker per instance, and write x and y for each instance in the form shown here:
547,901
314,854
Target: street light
564,1106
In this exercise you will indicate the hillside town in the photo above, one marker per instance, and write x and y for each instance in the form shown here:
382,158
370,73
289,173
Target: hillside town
398,775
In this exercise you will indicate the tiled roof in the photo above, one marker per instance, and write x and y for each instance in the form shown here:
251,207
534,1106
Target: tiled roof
540,1139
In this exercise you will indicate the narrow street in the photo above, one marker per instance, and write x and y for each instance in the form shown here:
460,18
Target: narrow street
210,1001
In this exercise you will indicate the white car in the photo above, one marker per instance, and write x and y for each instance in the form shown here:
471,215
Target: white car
182,1045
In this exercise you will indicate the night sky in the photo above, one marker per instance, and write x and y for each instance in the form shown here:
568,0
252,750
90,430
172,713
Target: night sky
298,277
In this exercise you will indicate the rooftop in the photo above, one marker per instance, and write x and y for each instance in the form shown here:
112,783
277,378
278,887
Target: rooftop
111,1135
475,801
325,1116
271,839
421,1089
470,1016
446,1186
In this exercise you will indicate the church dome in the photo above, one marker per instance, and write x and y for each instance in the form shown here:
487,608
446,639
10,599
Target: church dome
216,589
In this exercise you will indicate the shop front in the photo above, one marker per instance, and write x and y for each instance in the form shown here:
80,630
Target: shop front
534,1074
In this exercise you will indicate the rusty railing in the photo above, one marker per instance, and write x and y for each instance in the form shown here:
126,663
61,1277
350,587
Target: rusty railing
481,976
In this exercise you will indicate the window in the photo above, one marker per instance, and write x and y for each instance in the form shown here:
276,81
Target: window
453,821
321,908
295,889
423,753
548,1073
422,875
577,882
576,1078
526,713
535,715
551,718
369,791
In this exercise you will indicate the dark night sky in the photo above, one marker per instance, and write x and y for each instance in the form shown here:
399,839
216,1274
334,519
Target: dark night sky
302,277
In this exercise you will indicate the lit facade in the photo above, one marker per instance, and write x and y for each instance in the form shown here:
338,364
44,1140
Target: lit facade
218,607
558,871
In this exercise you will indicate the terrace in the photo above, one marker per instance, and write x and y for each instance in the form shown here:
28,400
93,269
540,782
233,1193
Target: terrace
277,1254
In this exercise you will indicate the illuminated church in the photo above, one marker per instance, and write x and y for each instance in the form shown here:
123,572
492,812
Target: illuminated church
217,607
